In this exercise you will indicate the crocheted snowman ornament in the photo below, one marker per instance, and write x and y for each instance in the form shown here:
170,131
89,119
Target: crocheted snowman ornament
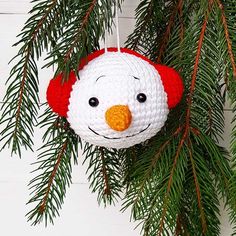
121,98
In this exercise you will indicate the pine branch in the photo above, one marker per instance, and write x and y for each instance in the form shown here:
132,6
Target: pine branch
107,190
150,23
167,33
196,65
61,143
21,102
149,11
228,17
52,177
205,74
186,131
162,206
78,34
229,43
165,202
181,228
54,168
149,171
198,192
150,175
105,174
82,34
51,22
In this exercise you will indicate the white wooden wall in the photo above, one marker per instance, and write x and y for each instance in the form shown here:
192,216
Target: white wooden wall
80,214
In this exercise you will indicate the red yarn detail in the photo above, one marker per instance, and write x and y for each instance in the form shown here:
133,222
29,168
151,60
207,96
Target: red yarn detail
58,93
172,83
98,53
171,80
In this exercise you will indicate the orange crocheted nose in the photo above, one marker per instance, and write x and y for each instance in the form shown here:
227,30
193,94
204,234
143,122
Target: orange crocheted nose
118,117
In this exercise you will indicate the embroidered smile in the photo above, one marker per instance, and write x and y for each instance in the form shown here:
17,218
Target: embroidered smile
129,136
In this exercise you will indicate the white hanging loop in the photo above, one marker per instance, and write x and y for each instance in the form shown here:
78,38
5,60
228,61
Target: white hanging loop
117,28
105,41
117,31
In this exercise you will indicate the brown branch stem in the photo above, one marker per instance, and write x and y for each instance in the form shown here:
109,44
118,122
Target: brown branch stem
227,36
181,228
153,163
198,192
168,30
188,113
22,86
164,211
25,67
53,174
84,22
107,190
40,23
178,228
196,65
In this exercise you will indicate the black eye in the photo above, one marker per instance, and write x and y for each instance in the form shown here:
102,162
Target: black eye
141,97
93,102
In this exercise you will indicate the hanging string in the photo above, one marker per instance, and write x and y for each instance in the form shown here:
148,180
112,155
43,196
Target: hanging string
105,33
117,31
105,41
117,28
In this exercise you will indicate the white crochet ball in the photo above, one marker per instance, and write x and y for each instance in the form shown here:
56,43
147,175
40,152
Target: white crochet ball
118,102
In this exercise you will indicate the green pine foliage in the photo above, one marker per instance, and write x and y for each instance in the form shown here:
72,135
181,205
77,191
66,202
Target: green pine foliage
104,173
194,42
20,117
175,182
53,168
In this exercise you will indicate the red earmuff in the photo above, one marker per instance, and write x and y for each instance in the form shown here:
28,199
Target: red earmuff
58,93
172,83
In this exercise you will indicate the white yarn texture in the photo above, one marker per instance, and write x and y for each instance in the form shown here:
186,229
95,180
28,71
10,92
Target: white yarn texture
116,78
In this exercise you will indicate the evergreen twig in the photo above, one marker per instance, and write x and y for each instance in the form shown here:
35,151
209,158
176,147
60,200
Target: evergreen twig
229,43
172,182
54,168
168,30
21,102
105,175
